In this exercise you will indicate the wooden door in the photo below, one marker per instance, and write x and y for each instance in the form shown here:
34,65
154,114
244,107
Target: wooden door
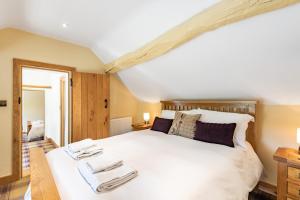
90,114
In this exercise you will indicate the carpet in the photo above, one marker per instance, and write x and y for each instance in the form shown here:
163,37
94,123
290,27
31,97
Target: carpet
47,146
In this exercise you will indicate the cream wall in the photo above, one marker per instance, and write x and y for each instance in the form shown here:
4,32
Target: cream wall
19,44
277,126
33,106
124,104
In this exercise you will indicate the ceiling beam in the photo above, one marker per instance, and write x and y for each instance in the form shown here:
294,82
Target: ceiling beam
223,13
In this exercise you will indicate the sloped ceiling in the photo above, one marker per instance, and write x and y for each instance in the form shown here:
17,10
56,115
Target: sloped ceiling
256,58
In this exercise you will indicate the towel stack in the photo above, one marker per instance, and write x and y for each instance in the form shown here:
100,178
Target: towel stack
104,173
83,149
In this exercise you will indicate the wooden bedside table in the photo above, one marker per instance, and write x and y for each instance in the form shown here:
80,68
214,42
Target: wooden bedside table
138,127
288,174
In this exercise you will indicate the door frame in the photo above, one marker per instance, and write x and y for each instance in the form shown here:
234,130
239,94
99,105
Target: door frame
62,111
18,64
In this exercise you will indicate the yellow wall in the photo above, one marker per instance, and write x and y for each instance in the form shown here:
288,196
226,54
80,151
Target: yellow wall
33,105
19,44
277,126
123,103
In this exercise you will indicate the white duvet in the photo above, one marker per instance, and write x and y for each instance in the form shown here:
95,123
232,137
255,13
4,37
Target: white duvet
170,168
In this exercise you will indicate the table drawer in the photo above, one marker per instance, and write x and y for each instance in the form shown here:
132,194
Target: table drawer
294,190
294,173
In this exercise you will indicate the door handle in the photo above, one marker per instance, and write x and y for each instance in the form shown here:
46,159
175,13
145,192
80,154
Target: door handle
105,103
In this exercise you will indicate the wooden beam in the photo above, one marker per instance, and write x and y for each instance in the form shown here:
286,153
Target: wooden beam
218,15
36,87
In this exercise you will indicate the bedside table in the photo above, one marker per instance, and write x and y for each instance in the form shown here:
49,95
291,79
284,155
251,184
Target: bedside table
288,174
138,127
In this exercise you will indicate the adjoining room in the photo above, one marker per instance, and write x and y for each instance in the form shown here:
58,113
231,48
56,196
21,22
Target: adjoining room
45,111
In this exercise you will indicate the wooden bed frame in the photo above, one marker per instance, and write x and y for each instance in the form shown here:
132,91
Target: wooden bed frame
235,106
43,186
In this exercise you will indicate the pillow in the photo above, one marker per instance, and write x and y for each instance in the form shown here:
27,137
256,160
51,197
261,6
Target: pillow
184,125
241,121
170,114
162,125
37,122
37,131
215,133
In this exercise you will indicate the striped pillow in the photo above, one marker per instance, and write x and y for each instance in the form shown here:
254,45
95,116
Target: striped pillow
184,125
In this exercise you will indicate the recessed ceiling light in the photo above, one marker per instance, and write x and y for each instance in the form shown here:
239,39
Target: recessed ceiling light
64,25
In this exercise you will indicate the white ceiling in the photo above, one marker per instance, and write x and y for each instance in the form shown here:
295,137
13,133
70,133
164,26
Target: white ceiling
255,58
110,28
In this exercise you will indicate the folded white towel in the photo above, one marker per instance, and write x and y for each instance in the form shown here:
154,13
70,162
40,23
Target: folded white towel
84,153
108,180
102,163
81,145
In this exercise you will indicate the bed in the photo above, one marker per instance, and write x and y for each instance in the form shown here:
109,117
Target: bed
169,166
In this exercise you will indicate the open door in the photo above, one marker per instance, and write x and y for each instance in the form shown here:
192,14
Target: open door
90,109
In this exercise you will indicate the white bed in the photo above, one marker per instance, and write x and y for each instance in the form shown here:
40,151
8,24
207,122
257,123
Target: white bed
169,167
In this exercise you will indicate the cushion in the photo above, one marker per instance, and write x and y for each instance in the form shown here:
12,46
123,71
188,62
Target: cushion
184,125
215,133
241,121
162,125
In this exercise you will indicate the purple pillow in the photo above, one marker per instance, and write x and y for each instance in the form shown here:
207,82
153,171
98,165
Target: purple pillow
162,125
215,133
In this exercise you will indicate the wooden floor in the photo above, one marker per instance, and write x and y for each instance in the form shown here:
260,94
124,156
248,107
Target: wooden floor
257,194
14,191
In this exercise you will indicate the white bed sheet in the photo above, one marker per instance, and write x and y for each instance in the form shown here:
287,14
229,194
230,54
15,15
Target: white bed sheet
169,167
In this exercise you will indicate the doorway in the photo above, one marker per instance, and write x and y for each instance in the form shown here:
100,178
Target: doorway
45,111
42,110
86,114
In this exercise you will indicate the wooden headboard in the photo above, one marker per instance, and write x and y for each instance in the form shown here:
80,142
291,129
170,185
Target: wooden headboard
246,107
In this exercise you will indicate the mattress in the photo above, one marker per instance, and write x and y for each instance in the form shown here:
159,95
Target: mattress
169,167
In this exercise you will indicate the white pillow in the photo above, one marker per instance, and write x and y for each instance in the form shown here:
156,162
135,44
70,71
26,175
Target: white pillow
36,131
241,121
170,114
37,122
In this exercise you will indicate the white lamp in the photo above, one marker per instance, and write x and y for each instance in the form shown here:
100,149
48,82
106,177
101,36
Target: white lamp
146,118
298,138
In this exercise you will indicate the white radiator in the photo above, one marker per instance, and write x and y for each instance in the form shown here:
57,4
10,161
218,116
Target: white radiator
120,125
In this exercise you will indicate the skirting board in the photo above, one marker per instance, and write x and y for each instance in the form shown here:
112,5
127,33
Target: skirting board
7,179
267,187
